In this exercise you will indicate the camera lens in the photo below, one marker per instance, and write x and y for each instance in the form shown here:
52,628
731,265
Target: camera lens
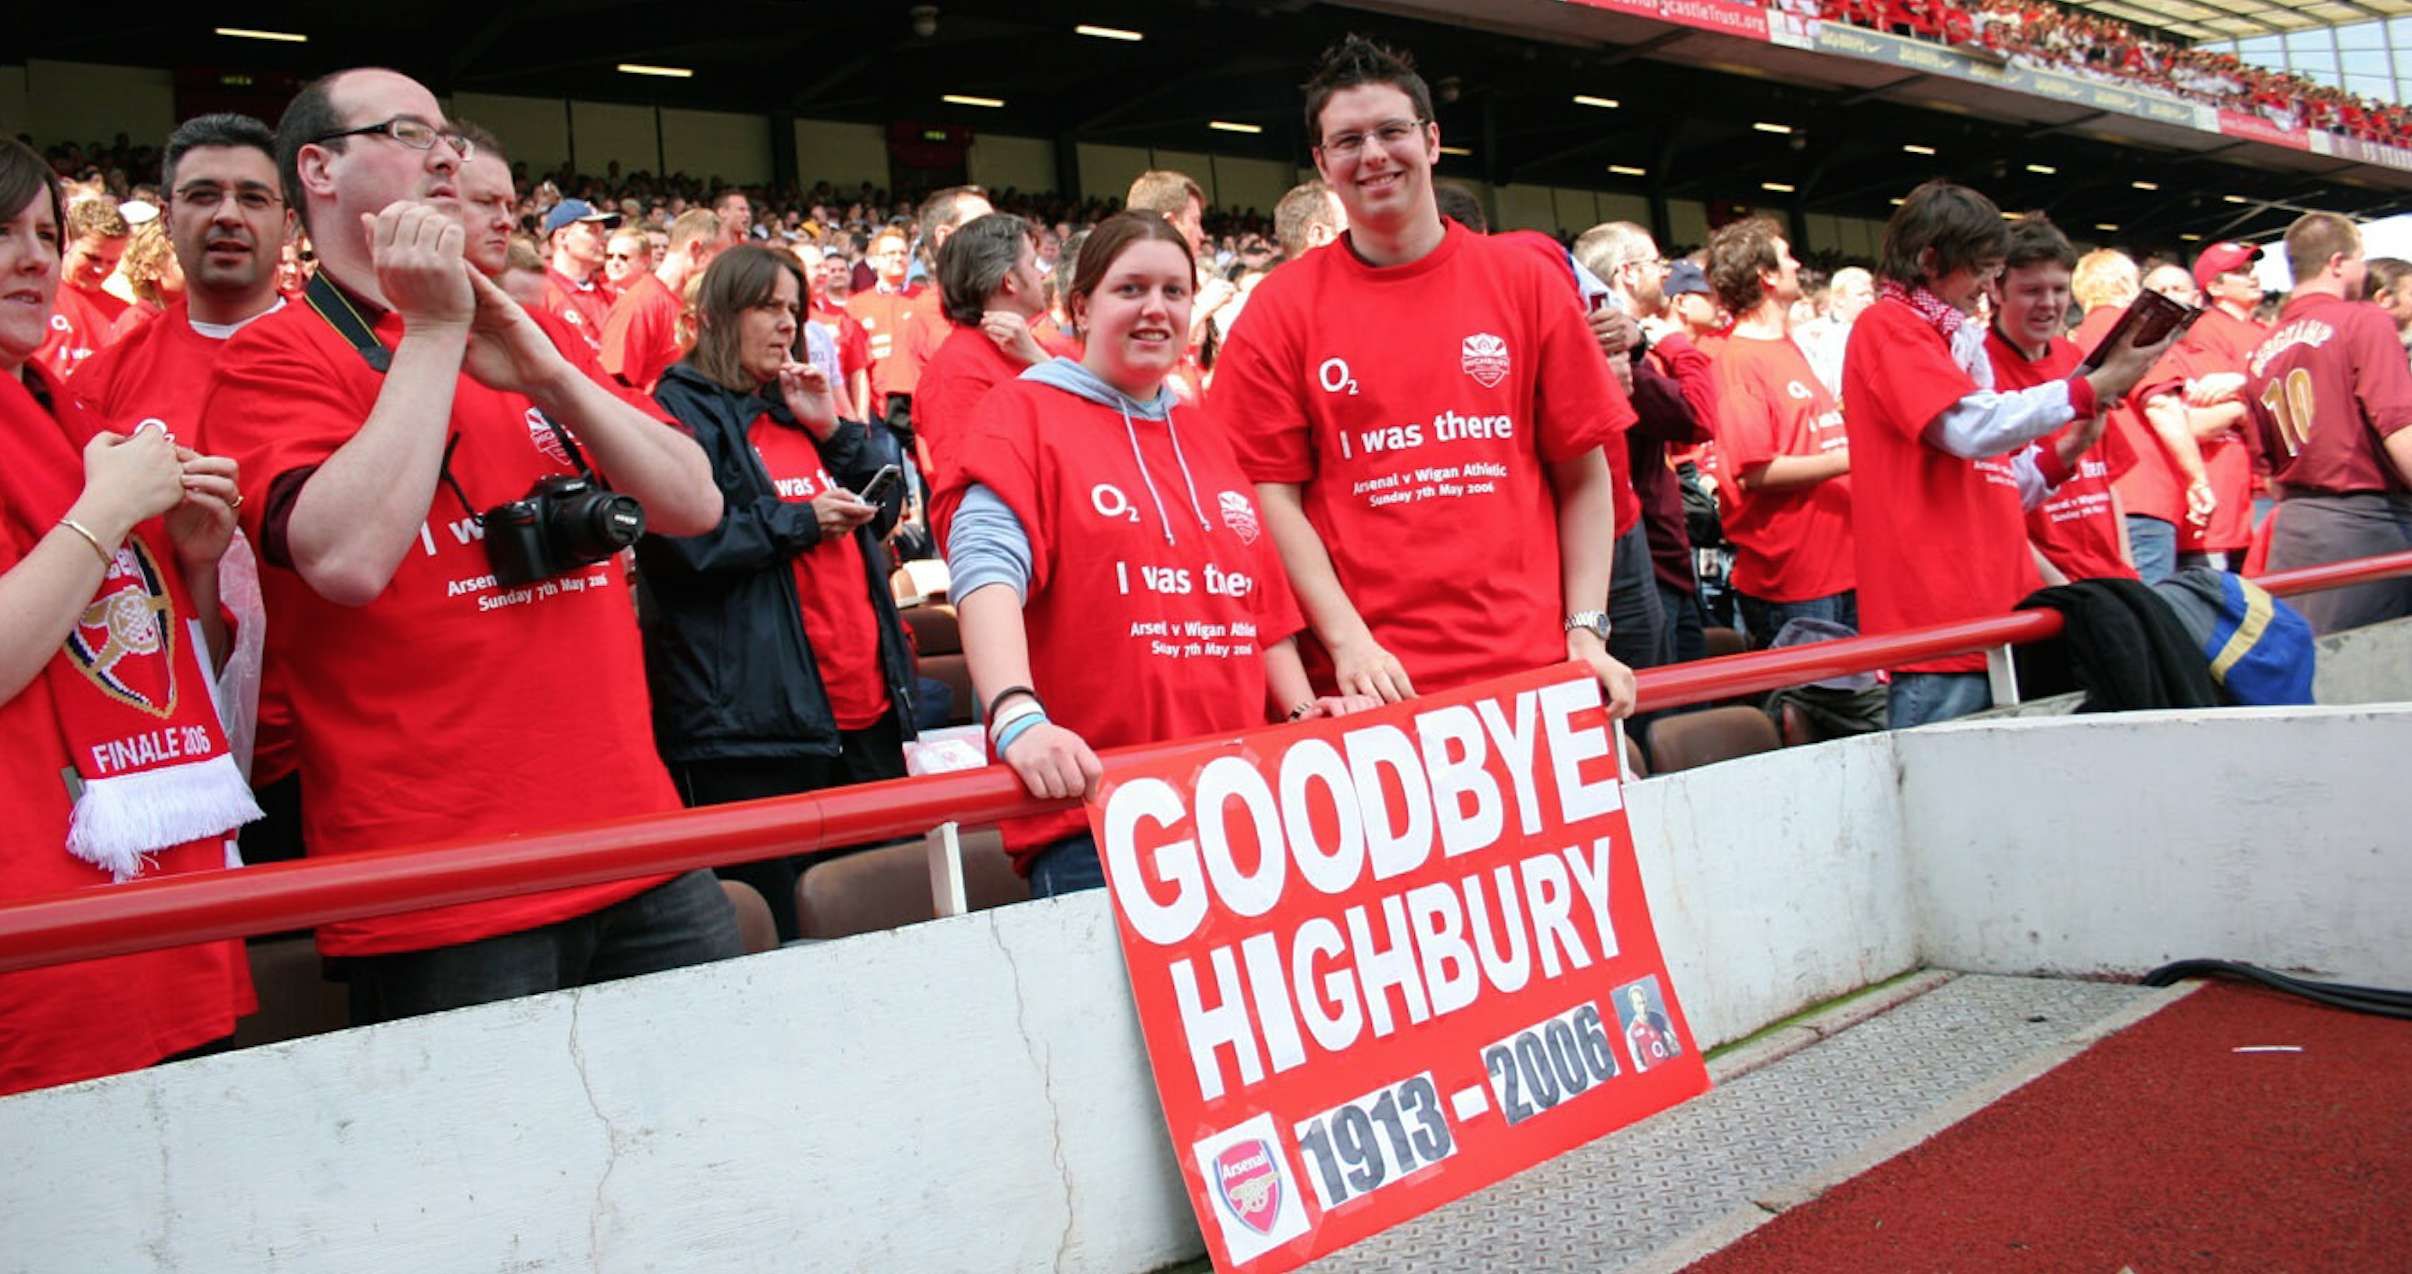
593,525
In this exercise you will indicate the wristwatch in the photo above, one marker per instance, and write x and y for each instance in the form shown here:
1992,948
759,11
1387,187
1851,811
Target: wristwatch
1595,620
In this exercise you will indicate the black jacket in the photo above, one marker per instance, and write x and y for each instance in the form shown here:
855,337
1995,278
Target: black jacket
732,671
2124,646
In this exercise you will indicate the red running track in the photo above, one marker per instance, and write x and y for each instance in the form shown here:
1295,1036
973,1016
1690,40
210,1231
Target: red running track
2160,1150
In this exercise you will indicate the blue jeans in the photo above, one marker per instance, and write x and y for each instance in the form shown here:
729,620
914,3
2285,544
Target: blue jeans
1067,866
1921,698
1764,619
684,920
2154,543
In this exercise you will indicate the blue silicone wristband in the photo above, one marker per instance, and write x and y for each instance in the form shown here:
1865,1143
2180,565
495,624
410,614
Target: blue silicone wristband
1015,729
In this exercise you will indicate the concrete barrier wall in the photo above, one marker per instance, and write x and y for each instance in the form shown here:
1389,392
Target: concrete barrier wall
972,1094
2116,844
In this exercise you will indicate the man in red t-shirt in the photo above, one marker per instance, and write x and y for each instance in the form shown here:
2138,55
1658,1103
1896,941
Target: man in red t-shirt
1786,471
989,275
2331,400
574,237
626,257
2217,347
2164,487
828,305
1423,412
2077,529
227,224
83,316
432,700
888,313
640,335
1943,470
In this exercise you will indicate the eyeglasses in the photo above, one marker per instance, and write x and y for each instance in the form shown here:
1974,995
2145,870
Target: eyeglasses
415,133
1392,134
620,256
206,196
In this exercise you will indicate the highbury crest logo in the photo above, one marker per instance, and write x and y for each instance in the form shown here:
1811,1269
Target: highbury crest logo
1485,358
1239,515
540,432
1248,1183
124,641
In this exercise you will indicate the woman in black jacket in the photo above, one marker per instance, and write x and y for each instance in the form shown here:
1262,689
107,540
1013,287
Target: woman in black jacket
777,662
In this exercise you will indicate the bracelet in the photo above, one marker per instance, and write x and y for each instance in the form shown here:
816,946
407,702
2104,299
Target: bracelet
1008,693
1021,725
107,558
1300,712
1019,710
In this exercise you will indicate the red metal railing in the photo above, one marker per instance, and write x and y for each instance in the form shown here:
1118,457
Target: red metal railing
174,910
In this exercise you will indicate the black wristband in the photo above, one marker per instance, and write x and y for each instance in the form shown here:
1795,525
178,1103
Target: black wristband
1008,693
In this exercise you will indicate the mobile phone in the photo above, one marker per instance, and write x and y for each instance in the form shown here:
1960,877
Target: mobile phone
2151,317
876,490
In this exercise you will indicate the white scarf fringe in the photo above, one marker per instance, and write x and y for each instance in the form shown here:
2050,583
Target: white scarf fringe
120,821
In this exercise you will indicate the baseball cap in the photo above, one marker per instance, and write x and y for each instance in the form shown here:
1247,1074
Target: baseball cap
2223,258
569,210
1686,276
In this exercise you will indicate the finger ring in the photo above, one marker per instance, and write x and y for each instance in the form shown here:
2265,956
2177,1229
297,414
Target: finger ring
238,501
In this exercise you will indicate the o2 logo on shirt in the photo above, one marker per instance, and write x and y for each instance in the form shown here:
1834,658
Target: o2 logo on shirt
1110,502
59,323
540,433
1239,515
1485,358
1335,377
1797,391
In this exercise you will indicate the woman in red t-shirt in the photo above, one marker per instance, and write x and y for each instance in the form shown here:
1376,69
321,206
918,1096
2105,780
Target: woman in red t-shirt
1114,577
116,765
777,661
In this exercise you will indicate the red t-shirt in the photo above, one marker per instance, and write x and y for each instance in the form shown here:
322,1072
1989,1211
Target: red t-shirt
2221,342
2153,486
2328,388
162,370
1143,626
640,335
80,326
70,1022
1419,407
449,706
966,366
854,344
832,586
1792,545
887,319
2076,528
135,316
1939,538
580,305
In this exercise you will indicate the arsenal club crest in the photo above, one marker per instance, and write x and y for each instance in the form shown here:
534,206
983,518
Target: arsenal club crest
1239,515
540,432
1485,358
1248,1183
125,641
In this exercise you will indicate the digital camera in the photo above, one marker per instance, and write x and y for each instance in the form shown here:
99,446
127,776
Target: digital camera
561,524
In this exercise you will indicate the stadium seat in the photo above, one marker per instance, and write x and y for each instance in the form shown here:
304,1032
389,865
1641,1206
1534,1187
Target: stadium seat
754,924
1714,734
955,671
884,888
1723,641
296,999
934,629
1635,766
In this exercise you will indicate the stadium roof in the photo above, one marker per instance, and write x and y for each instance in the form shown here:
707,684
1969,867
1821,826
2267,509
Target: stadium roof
2243,19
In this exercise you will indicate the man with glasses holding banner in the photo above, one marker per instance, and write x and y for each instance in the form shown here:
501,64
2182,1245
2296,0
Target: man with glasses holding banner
453,673
1423,412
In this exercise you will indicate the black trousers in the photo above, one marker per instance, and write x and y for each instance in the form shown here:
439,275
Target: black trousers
868,755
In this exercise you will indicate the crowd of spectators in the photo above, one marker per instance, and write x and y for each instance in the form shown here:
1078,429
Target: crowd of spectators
733,415
2044,36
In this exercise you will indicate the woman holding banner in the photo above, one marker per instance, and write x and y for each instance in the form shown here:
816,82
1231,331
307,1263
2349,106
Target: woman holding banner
117,765
1114,581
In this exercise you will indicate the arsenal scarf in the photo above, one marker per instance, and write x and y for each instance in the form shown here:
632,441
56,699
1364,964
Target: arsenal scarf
148,764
